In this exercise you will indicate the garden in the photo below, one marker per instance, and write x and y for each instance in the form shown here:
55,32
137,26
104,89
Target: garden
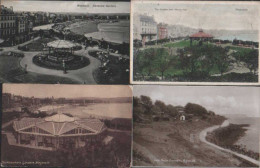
11,71
179,61
72,62
114,70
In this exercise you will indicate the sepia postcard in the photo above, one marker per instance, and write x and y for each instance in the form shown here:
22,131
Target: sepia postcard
196,126
205,43
68,42
77,126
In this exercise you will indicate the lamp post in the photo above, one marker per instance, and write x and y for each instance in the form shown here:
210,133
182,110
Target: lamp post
64,66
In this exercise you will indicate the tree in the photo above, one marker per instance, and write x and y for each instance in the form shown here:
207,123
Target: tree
145,100
146,104
164,59
172,111
161,105
221,59
251,60
195,109
143,62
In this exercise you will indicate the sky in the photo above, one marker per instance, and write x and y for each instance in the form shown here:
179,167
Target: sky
68,91
220,99
68,6
201,15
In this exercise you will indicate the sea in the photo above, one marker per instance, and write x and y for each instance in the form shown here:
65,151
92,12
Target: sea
97,110
244,37
251,138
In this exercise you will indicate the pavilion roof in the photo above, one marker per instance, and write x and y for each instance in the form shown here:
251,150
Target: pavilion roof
61,44
59,124
201,34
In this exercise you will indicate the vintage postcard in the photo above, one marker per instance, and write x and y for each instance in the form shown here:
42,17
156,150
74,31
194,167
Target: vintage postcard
174,42
196,126
75,126
70,42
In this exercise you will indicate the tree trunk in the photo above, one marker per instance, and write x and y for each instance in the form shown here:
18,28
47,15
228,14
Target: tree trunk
162,75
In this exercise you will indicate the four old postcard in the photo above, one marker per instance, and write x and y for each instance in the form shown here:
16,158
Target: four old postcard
141,83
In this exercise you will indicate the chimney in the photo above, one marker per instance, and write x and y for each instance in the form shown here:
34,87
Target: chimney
11,7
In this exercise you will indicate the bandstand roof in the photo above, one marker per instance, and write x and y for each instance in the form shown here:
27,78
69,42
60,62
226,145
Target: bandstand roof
201,34
59,125
61,44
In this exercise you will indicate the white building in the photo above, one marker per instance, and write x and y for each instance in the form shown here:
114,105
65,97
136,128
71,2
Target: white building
144,28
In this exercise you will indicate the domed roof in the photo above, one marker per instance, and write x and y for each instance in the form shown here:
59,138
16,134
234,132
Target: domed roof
61,44
60,118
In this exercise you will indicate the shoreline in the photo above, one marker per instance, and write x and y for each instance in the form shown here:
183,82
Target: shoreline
203,134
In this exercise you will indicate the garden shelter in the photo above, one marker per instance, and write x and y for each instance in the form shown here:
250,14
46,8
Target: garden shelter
201,36
58,131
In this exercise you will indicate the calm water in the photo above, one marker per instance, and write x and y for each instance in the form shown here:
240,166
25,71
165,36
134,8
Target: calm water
99,110
251,138
117,32
244,37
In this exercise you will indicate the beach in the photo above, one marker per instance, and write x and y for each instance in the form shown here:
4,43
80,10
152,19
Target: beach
222,137
251,137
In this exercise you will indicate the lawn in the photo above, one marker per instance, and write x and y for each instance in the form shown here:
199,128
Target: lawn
241,49
180,44
38,44
11,71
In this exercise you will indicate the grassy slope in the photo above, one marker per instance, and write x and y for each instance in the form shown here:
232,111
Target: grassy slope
178,141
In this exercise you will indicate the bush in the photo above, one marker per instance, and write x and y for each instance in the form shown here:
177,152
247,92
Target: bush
195,109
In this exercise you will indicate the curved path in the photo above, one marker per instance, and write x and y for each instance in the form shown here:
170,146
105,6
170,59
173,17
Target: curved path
203,135
83,75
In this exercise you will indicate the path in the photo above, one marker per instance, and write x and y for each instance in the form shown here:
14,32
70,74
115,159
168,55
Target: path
83,75
15,48
203,135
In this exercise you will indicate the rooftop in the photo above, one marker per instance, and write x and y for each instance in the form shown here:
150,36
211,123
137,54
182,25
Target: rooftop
61,44
60,118
201,34
59,125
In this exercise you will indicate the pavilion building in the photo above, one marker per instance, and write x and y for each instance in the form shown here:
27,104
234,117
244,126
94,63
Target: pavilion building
58,131
200,36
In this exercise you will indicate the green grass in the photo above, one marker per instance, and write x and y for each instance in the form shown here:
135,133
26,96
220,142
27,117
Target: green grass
180,44
241,49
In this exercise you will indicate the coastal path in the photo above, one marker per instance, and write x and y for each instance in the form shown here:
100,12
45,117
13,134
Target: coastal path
203,135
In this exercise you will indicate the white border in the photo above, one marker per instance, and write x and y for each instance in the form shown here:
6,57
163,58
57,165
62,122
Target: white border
133,2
